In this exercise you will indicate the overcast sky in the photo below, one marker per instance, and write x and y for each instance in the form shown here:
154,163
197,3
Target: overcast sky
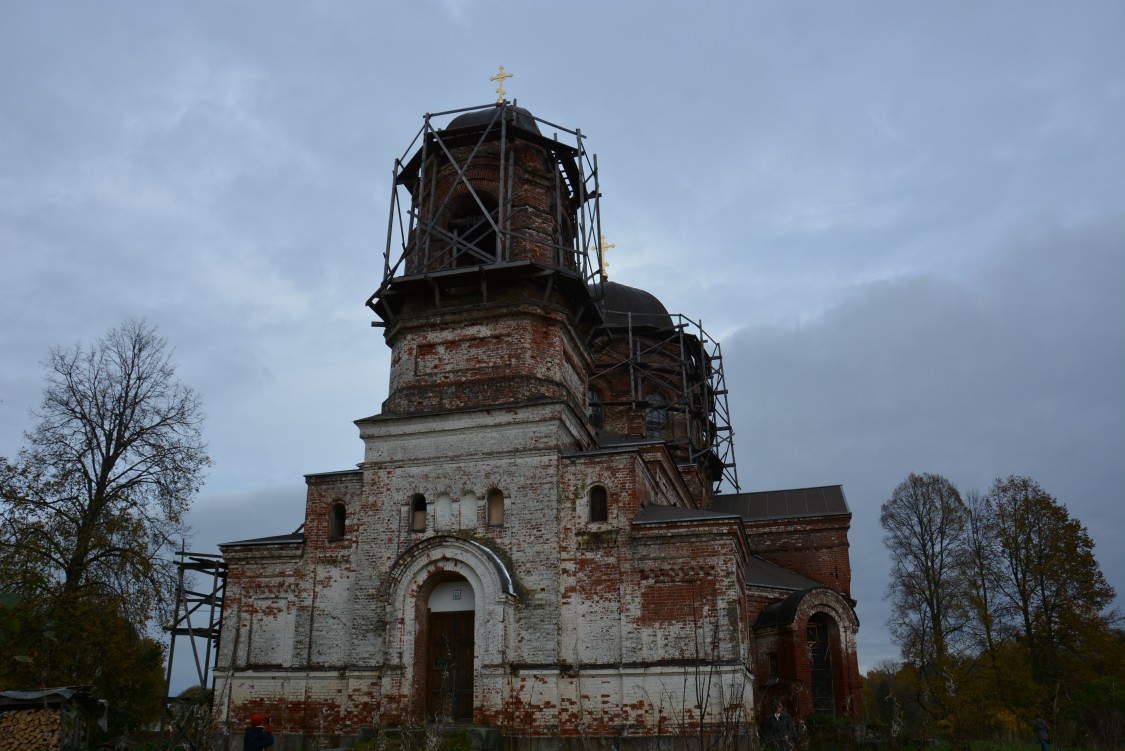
905,221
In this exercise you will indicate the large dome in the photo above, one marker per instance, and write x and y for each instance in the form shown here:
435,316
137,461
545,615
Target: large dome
624,305
517,116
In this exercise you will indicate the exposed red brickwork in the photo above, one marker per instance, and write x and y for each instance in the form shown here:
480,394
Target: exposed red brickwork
581,625
816,547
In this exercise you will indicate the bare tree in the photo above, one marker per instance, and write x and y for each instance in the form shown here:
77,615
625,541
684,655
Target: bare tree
107,475
924,521
982,573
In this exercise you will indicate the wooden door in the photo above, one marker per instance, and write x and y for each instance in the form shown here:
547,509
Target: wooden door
449,666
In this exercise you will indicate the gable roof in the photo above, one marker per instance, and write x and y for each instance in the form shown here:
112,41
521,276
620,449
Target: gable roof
825,500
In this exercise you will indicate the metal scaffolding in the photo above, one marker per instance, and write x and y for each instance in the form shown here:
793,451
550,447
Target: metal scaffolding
442,177
458,219
683,364
197,617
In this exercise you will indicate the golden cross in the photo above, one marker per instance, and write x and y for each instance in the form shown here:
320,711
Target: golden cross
603,246
499,77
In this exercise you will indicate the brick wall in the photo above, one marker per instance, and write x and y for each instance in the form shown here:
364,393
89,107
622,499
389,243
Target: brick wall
816,547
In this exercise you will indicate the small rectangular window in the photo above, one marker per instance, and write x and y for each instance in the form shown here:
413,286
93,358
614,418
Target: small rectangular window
495,508
418,514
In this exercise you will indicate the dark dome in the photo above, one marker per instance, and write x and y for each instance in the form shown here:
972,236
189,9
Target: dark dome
620,301
517,116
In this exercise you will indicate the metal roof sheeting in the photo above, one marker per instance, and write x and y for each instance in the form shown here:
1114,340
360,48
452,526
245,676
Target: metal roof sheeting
826,500
656,514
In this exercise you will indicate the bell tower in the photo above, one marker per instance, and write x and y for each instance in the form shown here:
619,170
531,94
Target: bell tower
492,263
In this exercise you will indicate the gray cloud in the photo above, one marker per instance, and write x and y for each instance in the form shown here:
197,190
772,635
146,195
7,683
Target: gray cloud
1013,370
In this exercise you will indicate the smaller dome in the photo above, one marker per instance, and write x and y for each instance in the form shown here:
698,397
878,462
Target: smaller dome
622,304
517,116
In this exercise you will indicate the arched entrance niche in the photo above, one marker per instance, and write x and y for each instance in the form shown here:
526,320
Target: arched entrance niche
449,601
806,642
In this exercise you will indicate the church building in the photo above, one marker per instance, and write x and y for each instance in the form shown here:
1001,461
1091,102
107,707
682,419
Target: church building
545,534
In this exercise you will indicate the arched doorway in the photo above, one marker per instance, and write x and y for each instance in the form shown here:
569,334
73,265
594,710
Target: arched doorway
820,631
449,650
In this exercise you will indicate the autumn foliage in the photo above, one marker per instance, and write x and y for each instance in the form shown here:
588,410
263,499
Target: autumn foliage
1001,613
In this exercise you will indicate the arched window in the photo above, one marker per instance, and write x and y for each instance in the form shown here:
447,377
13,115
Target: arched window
819,640
418,513
494,512
597,411
656,415
599,504
337,517
471,230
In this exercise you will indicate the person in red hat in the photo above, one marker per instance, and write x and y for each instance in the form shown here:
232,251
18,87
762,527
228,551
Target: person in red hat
257,735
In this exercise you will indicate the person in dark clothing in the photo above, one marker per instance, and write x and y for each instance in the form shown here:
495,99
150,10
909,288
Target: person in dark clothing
1042,734
779,730
257,735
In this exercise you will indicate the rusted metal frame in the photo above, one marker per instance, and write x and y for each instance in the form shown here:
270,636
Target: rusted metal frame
631,358
188,603
200,667
172,648
710,383
210,631
597,276
591,210
685,395
557,236
719,430
507,223
556,243
403,233
632,370
460,245
505,190
218,593
590,204
431,227
705,384
563,187
583,246
461,168
422,248
638,356
386,312
523,236
576,133
730,465
391,221
425,123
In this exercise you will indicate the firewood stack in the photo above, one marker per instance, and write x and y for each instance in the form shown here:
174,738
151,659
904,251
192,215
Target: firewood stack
29,730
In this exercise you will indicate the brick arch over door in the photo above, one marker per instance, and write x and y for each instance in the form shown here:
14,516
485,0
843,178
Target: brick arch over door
409,584
783,630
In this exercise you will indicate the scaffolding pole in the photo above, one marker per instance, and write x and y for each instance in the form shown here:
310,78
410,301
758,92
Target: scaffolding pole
197,617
